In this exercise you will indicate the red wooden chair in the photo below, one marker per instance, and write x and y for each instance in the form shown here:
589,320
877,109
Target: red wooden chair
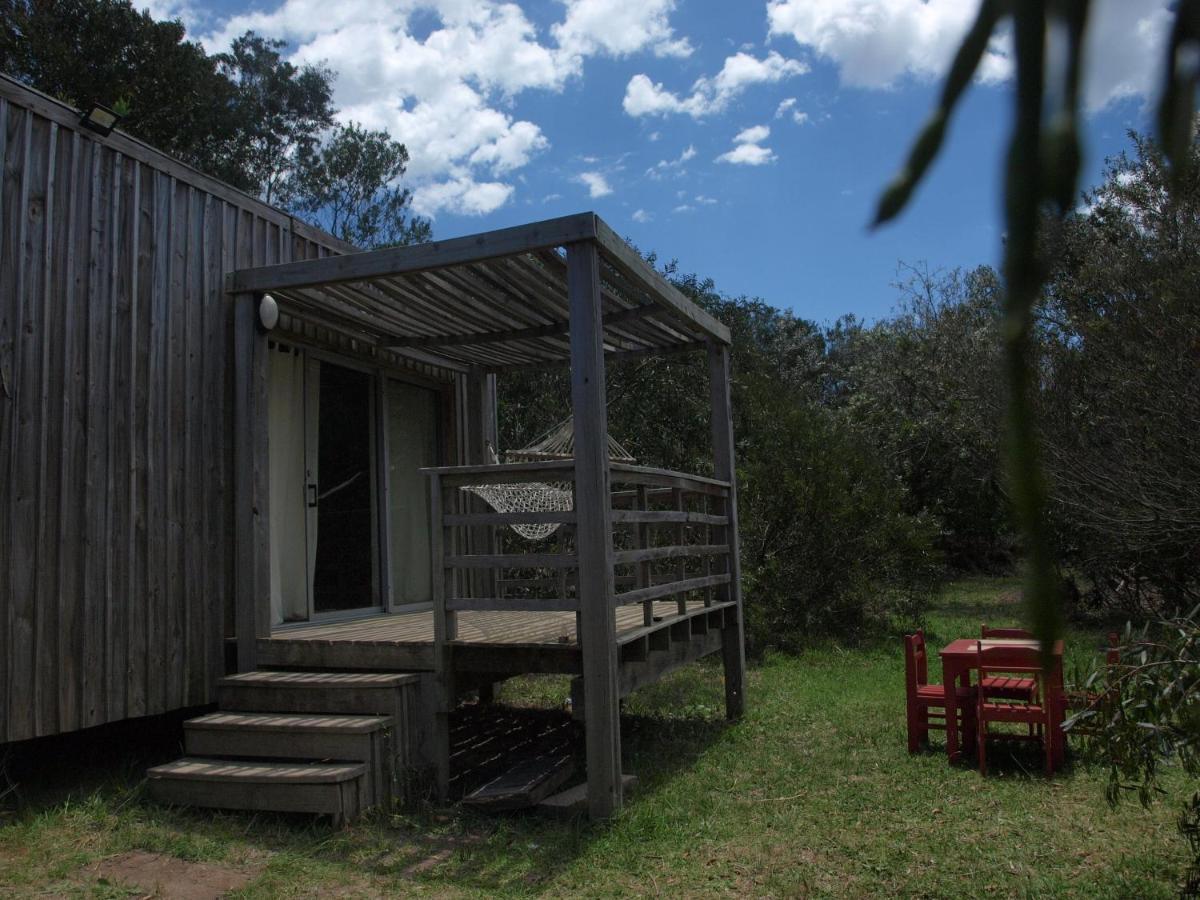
1040,712
985,632
1010,687
1081,699
927,702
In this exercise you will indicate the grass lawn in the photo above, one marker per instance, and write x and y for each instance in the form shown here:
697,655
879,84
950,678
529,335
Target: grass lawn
813,793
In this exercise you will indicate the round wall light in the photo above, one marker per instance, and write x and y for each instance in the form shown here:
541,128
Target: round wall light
268,312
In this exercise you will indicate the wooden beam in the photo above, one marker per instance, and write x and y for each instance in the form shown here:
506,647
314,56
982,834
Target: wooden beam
734,650
627,261
250,477
594,532
418,257
617,356
519,334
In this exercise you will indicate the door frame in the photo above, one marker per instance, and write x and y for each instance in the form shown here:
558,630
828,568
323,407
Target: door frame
381,521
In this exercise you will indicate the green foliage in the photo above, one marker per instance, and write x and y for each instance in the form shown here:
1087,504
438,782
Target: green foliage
350,185
247,116
1120,404
828,546
279,112
107,52
1148,713
923,388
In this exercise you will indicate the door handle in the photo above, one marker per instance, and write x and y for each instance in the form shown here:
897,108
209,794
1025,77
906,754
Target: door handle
312,496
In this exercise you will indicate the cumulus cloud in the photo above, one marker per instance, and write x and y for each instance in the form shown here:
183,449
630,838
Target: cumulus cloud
640,215
747,148
709,96
876,43
596,184
440,75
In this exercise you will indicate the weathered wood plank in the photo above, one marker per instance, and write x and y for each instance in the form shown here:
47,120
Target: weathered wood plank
23,465
671,588
513,604
734,654
50,340
627,261
397,260
10,324
653,553
511,561
594,531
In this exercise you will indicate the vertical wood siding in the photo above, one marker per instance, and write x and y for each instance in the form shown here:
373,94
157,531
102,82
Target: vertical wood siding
115,419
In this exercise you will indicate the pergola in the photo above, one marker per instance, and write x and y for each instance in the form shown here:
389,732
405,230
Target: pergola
565,291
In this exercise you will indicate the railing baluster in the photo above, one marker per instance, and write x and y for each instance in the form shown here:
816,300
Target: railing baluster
680,539
642,542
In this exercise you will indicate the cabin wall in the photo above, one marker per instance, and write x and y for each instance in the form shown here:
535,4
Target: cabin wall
116,561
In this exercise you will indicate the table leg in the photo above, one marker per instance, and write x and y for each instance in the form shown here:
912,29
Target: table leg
950,677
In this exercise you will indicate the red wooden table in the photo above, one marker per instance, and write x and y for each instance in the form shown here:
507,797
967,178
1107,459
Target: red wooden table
959,658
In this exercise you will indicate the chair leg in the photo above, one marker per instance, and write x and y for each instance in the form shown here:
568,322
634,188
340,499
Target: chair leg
981,746
914,738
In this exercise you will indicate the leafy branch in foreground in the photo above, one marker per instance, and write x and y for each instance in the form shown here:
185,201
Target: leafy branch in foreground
1041,175
1148,713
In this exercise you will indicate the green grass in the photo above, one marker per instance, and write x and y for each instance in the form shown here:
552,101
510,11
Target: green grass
814,793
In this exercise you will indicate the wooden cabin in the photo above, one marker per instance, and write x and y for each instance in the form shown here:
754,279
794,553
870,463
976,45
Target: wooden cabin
241,464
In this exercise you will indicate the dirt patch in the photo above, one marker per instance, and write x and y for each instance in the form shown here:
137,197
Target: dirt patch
177,879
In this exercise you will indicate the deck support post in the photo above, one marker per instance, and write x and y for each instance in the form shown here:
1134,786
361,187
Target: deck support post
252,588
480,433
593,510
444,630
724,468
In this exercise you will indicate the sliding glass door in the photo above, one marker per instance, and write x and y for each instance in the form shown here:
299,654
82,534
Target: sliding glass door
349,508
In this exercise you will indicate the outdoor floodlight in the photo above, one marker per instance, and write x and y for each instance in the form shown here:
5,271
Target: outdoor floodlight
101,119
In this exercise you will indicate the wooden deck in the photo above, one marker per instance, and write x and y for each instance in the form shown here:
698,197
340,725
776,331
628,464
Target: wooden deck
487,641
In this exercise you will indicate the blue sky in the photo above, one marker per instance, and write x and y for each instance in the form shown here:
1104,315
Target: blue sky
748,139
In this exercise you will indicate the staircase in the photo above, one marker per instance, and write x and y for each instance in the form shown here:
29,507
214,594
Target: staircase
332,743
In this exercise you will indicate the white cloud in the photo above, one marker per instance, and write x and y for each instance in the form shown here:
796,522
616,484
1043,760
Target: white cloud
708,96
640,215
706,201
876,43
684,208
596,184
440,75
664,166
799,117
748,149
784,106
618,28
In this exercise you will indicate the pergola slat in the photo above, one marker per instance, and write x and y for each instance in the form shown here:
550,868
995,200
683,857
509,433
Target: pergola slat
496,301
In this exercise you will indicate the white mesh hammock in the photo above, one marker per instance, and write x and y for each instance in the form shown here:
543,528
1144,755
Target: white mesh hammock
537,496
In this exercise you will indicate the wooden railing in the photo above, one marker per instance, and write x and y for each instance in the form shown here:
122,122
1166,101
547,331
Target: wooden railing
671,539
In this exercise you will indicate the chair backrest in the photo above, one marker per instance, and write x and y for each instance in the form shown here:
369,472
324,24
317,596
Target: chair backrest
1008,660
916,661
1112,656
986,632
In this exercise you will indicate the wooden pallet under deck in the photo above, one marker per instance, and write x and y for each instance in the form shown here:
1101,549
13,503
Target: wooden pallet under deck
491,642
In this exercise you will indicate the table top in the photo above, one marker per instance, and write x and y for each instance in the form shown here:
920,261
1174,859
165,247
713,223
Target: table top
968,646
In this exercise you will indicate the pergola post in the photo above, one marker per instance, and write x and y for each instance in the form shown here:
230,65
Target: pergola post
593,510
724,468
251,589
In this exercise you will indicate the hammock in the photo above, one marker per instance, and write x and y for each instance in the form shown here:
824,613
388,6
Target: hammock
536,496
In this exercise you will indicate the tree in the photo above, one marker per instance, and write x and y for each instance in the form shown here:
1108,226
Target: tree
279,113
1120,404
923,388
105,51
349,185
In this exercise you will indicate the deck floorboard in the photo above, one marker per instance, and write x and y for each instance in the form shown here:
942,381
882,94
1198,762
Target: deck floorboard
405,640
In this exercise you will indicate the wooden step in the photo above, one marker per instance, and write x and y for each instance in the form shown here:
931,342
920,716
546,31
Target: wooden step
336,789
365,739
338,693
